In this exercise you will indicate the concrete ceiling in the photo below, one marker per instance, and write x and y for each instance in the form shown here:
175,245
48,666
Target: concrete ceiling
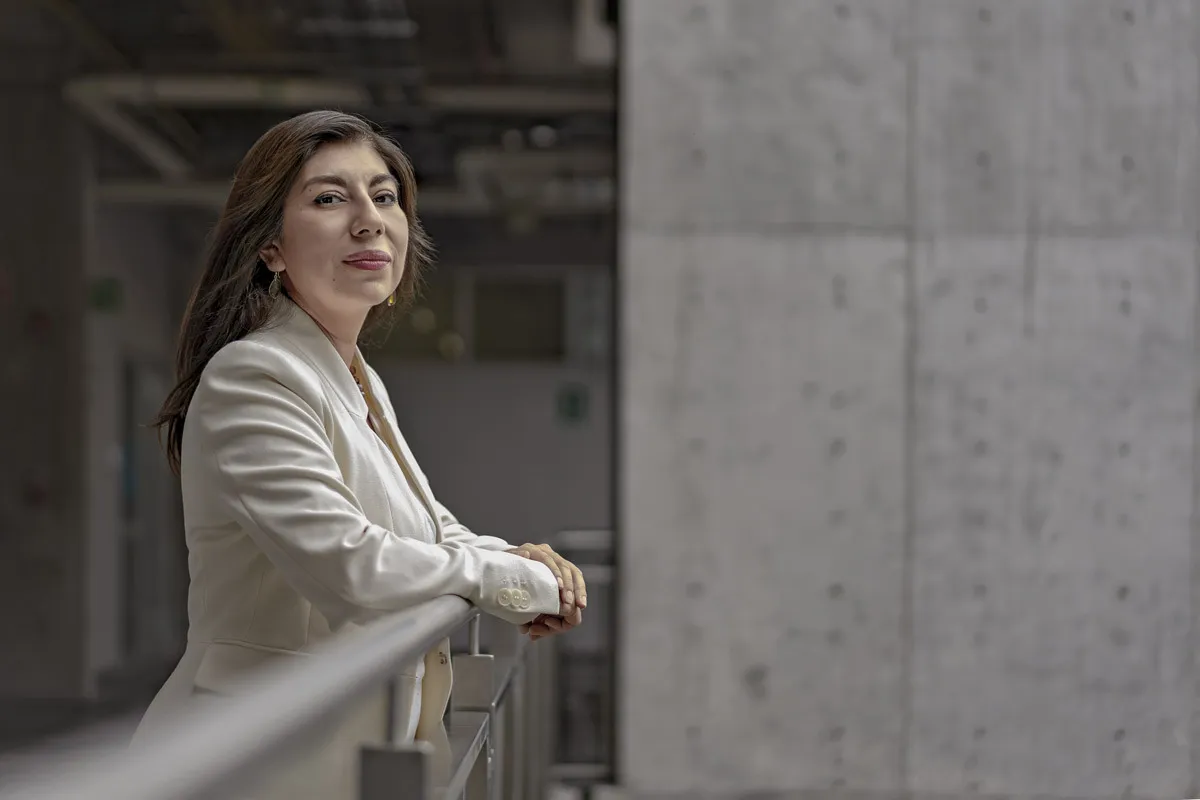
185,86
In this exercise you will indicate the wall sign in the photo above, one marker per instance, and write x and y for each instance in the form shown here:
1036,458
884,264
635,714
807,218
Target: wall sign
106,295
573,401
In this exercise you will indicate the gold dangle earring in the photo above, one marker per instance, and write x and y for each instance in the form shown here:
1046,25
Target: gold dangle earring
391,301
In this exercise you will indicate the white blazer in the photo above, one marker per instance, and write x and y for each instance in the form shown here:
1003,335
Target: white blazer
300,522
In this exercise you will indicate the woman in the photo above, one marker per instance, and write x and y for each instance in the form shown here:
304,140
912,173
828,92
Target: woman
304,509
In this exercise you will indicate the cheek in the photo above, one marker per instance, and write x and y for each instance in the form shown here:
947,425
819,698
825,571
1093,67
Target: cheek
305,242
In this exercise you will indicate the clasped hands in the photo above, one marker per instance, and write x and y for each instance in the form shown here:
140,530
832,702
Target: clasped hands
572,592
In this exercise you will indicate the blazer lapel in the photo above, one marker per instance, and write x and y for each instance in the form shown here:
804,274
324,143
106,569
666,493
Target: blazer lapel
383,427
313,345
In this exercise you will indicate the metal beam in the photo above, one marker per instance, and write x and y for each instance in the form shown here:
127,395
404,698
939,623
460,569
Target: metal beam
153,148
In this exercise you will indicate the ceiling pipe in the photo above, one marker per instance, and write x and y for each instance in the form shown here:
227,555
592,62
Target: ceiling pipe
100,98
222,91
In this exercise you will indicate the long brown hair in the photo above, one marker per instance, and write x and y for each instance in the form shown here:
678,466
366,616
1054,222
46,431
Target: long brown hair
232,297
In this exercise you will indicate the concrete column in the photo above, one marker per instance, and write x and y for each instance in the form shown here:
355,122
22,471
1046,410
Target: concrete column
762,290
42,381
907,298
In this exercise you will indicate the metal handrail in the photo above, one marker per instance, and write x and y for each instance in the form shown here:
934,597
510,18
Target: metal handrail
211,749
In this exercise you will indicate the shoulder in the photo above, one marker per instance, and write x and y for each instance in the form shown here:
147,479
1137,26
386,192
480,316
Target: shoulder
258,365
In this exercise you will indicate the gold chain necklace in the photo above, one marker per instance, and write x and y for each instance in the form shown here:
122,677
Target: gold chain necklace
358,382
363,389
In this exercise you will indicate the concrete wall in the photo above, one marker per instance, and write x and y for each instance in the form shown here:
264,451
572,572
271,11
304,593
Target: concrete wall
907,401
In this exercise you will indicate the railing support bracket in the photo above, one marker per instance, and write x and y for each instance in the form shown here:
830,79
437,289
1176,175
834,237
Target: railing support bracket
387,772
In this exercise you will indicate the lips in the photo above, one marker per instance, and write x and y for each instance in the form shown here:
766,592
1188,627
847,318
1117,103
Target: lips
369,260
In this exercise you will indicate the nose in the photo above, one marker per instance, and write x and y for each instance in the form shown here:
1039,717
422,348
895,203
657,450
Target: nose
368,222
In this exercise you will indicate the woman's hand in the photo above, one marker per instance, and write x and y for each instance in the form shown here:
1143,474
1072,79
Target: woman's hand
549,625
572,590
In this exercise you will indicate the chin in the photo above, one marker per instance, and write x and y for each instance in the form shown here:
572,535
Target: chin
379,299
365,297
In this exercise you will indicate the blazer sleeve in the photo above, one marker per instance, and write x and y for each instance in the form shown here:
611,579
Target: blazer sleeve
455,531
452,529
255,424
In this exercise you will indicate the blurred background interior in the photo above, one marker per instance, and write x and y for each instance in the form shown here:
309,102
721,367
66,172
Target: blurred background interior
879,358
125,121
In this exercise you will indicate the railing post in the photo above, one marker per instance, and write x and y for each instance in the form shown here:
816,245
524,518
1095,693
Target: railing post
475,690
537,744
473,633
515,737
480,781
390,771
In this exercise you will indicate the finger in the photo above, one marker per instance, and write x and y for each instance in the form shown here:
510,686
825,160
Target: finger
574,618
554,623
525,628
548,557
568,578
580,586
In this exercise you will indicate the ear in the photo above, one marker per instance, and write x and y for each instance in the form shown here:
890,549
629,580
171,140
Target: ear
271,257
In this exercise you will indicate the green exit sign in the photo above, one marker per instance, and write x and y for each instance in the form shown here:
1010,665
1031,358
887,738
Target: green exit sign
573,400
106,295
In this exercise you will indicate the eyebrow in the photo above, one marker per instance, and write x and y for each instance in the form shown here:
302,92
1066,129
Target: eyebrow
337,180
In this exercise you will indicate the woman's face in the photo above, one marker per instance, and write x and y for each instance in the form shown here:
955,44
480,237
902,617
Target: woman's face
344,234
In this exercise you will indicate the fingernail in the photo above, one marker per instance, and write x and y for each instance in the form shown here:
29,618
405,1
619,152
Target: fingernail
583,601
560,583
